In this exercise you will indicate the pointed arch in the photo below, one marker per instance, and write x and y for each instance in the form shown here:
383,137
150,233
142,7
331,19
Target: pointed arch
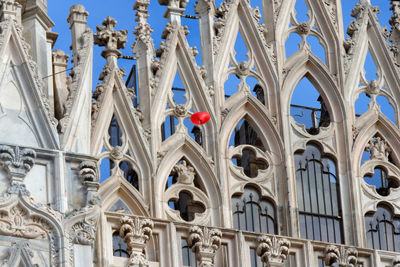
309,66
241,21
179,58
201,162
25,78
115,188
248,106
377,124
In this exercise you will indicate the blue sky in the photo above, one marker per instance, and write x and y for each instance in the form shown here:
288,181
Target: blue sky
122,11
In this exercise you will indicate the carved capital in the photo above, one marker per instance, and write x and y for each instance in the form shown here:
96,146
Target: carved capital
136,232
112,39
204,242
273,251
17,162
344,257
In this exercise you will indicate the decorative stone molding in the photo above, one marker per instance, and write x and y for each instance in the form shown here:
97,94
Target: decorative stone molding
17,222
219,26
113,40
394,36
273,252
204,242
136,232
344,257
142,30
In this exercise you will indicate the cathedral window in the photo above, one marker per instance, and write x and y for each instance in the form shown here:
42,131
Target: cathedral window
318,196
382,229
120,249
381,181
185,192
311,111
377,157
253,213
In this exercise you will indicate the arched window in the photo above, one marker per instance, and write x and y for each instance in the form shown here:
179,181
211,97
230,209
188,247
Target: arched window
318,196
382,229
120,249
252,213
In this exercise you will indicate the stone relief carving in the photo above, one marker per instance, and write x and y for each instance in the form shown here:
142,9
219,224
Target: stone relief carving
185,173
84,232
136,232
17,222
273,251
344,257
378,148
219,25
204,242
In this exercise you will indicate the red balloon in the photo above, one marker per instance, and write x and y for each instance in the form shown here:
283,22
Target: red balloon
200,117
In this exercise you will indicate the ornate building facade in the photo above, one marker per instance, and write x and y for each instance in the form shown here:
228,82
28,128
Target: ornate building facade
266,182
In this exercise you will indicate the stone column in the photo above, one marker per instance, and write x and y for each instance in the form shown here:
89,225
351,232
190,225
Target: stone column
273,251
77,20
204,242
136,232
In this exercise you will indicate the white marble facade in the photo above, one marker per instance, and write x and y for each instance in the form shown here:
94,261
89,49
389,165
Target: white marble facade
172,199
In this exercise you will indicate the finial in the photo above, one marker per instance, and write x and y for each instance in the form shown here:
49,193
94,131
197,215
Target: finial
112,39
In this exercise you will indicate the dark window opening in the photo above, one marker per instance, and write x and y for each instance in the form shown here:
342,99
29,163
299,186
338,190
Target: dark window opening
255,260
250,163
259,91
318,196
252,213
309,108
120,249
131,85
115,133
188,256
198,136
129,173
244,134
187,206
381,181
382,229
